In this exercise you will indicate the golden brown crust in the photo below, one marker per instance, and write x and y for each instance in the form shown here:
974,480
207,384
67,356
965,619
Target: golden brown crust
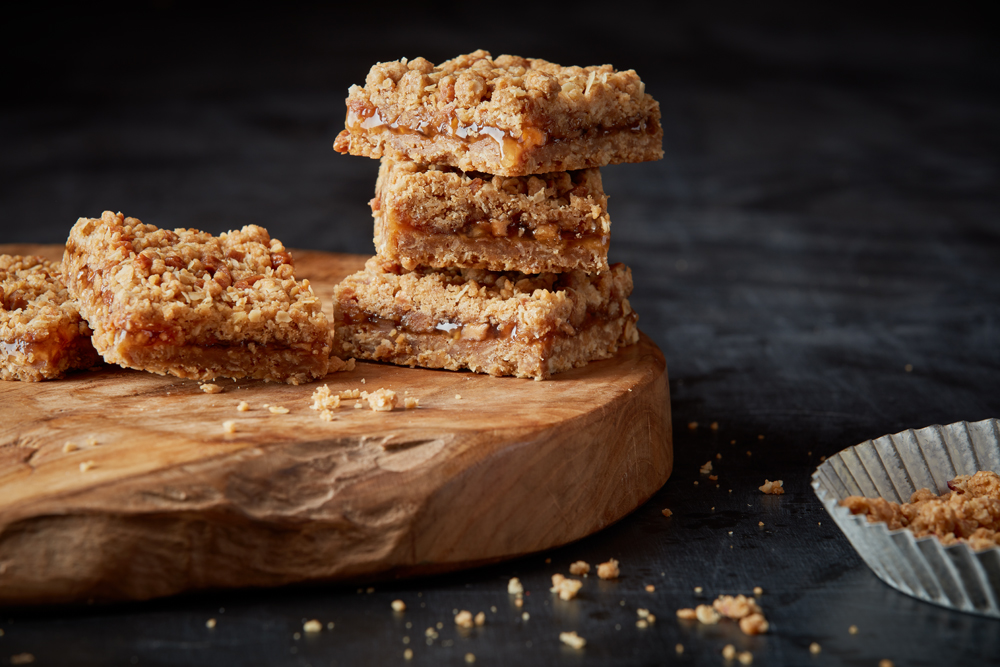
490,322
195,305
438,217
510,116
41,333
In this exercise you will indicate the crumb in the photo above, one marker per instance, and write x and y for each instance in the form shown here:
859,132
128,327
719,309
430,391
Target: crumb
757,590
735,607
666,513
70,447
358,405
470,658
480,619
566,588
729,652
760,524
718,456
773,488
760,437
351,364
463,619
642,613
706,468
383,400
278,410
814,648
579,567
698,590
326,416
229,426
398,605
323,399
754,624
243,406
91,441
519,602
705,614
714,426
908,368
572,639
329,626
650,588
362,380
210,388
87,465
312,626
22,659
349,393
853,630
410,403
679,649
525,616
296,636
748,452
548,560
696,482
514,586
822,458
458,397
885,662
608,570
210,623
642,624
370,589
692,425
714,478
745,658
408,654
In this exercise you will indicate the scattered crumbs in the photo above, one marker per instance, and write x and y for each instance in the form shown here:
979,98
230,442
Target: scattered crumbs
579,568
70,447
706,468
757,590
819,523
706,614
718,456
908,368
687,614
714,478
525,616
745,658
730,532
650,588
410,403
211,388
730,490
278,410
729,652
814,648
692,425
210,623
519,602
714,426
572,639
383,400
324,399
312,627
358,405
458,397
362,380
884,662
822,458
698,590
87,465
243,406
760,524
565,587
229,426
772,488
470,658
754,624
642,624
696,482
463,619
667,513
398,605
91,441
430,633
514,586
853,629
22,659
679,649
326,416
408,654
608,570
713,509
349,393
480,619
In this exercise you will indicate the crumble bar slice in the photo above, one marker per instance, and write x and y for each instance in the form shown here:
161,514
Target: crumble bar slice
510,116
501,323
439,217
41,333
194,305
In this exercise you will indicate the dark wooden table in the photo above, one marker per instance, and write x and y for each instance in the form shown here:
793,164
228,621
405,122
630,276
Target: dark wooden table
818,256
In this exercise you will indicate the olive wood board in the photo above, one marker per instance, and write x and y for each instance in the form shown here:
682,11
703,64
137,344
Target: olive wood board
166,501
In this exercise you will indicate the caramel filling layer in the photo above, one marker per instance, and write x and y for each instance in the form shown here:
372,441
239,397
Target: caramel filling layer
510,231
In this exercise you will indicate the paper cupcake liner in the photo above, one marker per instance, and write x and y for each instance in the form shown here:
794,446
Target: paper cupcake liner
893,467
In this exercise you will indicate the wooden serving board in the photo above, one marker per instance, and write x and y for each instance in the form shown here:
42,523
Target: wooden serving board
485,469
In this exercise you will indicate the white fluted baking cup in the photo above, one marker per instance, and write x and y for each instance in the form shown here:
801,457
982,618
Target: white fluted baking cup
893,467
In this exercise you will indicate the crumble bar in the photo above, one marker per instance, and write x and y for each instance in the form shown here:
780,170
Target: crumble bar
486,321
438,217
969,512
194,305
41,333
509,116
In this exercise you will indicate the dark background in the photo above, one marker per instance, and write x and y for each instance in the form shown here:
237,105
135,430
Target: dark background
826,214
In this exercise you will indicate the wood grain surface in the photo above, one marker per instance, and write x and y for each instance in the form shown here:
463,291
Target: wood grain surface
157,498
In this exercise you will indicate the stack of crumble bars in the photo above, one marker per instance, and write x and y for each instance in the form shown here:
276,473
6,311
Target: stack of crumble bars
491,223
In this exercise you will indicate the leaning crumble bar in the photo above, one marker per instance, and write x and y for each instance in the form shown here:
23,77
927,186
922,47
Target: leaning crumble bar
501,323
194,305
508,116
438,217
41,333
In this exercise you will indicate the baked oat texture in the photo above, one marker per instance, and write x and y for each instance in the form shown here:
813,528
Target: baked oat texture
500,323
438,217
509,116
969,512
194,305
41,333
